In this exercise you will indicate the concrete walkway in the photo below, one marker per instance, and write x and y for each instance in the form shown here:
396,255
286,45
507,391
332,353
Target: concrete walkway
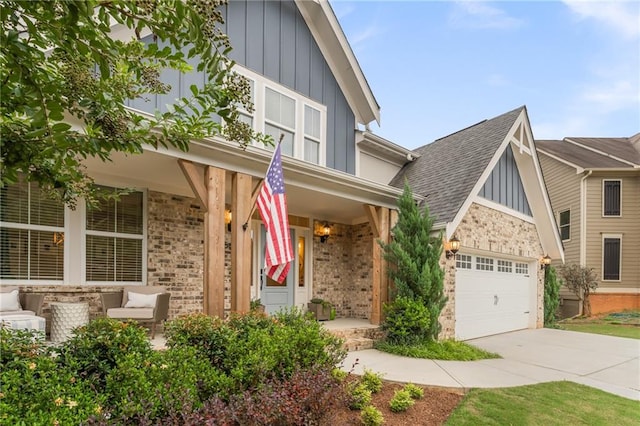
611,364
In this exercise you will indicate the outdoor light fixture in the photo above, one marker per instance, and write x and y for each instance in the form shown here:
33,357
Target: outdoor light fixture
326,232
545,261
227,219
452,247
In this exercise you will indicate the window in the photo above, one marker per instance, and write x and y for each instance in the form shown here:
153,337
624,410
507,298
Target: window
505,266
32,234
282,112
565,225
611,250
114,236
484,264
522,268
611,198
463,261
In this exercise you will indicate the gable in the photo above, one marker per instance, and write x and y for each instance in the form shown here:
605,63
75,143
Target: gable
504,185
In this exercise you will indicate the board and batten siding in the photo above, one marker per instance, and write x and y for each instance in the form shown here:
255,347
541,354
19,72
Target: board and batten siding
272,39
504,185
628,225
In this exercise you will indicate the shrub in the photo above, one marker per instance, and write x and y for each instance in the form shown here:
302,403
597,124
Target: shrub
94,349
551,296
373,381
371,416
359,396
406,321
401,401
17,344
582,281
416,392
339,375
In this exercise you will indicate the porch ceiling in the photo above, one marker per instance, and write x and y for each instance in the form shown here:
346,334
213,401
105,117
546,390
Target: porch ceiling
311,191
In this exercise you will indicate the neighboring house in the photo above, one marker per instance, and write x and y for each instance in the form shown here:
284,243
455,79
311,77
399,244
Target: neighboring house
172,230
594,186
484,186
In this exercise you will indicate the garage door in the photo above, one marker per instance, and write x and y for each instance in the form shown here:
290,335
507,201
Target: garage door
493,296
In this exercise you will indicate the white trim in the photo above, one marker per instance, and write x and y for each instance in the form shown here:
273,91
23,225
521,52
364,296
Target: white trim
603,198
617,290
561,160
583,218
502,208
611,237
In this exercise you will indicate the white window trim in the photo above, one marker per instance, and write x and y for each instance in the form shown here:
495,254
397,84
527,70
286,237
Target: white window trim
568,224
610,236
603,197
261,83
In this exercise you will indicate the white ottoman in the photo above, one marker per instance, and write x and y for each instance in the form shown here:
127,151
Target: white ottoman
65,317
23,322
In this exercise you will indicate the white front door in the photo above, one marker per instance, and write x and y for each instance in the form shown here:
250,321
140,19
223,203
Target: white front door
492,295
274,295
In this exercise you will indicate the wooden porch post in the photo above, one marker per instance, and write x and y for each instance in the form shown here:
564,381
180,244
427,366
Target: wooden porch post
240,243
210,195
379,220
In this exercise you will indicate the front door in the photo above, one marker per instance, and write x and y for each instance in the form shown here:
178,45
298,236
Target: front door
273,295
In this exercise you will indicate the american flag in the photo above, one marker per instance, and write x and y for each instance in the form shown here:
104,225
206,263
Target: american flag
272,205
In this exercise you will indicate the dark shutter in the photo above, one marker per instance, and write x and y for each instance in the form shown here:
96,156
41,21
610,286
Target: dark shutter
612,198
611,259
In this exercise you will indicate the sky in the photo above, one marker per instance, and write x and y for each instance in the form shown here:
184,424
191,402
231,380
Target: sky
436,67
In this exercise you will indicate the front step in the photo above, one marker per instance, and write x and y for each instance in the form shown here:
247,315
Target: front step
360,338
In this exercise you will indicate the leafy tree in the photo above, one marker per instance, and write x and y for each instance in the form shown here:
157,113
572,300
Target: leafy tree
64,81
581,280
551,296
414,258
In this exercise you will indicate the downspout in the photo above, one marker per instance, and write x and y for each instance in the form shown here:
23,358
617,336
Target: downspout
583,224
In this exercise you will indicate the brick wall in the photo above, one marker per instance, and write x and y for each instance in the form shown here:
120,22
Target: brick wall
483,228
342,269
602,303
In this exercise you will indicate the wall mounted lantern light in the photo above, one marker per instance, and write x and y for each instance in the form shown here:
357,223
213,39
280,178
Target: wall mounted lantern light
452,247
227,219
325,233
545,261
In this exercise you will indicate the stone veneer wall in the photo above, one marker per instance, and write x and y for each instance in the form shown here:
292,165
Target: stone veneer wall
342,270
486,229
175,250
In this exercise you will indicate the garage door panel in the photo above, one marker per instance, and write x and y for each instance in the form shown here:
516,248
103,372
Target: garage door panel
491,302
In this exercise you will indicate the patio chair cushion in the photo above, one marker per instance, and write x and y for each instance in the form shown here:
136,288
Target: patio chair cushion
130,313
140,290
139,300
10,301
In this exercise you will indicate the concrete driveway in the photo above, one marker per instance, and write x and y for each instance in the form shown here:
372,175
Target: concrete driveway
528,356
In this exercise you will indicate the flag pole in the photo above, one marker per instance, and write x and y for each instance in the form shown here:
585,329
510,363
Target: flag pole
254,196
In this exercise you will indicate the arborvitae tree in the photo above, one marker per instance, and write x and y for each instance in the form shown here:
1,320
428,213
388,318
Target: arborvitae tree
551,296
414,259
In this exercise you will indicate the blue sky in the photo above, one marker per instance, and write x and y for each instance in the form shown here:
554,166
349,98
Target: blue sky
436,67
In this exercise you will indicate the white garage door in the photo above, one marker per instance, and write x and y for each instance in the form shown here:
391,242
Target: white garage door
492,296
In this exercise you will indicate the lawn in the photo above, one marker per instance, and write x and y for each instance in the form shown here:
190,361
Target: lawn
448,350
620,324
554,403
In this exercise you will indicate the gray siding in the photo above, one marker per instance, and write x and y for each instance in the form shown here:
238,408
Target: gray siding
272,39
504,185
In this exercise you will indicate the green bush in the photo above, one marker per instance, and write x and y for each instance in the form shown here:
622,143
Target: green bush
401,401
35,389
373,381
359,396
94,349
416,392
551,296
339,375
406,321
371,416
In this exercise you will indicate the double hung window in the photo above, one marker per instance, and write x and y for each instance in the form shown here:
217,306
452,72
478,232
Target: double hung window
565,224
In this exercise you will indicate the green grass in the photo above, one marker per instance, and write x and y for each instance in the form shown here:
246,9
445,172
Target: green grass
555,403
619,324
449,350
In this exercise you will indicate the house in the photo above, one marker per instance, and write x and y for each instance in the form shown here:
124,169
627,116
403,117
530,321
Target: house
483,185
594,186
182,224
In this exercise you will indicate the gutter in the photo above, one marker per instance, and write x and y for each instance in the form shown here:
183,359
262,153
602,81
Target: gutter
583,218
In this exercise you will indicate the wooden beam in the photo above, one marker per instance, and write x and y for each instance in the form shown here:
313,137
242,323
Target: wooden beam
214,242
240,243
195,180
385,234
372,215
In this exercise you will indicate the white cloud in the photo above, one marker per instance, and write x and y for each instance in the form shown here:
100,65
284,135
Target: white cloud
480,15
612,95
619,16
